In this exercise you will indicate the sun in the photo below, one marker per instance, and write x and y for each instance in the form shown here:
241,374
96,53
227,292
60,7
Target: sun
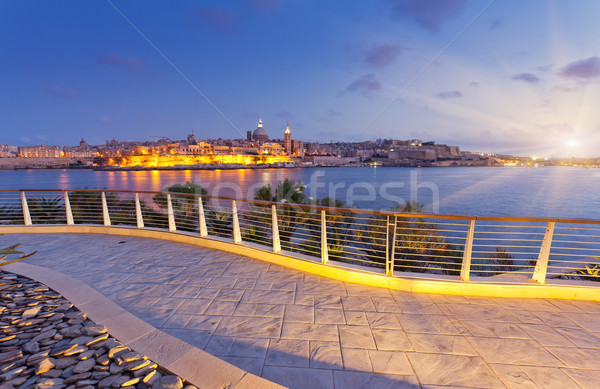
572,143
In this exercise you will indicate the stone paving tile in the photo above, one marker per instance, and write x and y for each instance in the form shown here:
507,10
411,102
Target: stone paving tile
555,319
513,377
391,340
577,358
221,308
390,362
352,379
356,318
249,326
325,355
383,320
588,321
310,331
194,337
299,378
584,378
205,323
481,312
546,335
495,329
443,344
288,352
268,297
580,337
219,345
356,359
299,313
357,303
195,306
356,337
514,351
328,302
548,377
249,347
251,365
329,316
453,370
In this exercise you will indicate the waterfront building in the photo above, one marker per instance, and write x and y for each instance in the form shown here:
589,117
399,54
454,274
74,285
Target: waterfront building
9,151
42,151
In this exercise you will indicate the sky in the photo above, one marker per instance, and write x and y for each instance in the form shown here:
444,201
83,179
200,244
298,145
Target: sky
503,76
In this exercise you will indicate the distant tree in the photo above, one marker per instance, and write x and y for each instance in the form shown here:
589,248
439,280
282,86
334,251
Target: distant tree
185,208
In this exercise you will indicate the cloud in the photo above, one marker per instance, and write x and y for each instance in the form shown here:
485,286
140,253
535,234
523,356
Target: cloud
364,85
474,84
495,24
221,18
264,5
284,114
383,54
128,64
429,14
62,93
453,94
583,70
105,119
526,77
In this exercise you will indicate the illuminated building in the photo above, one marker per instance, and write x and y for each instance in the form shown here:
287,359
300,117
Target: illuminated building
287,139
43,151
260,135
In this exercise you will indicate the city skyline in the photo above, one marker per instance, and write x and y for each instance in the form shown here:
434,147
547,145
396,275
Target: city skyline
490,76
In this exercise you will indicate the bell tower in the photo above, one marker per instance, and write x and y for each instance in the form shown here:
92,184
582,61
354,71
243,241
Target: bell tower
287,139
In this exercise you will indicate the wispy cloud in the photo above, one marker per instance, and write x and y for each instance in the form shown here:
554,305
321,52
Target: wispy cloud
284,114
383,54
495,24
60,92
526,77
264,5
452,94
585,69
429,14
128,64
221,18
365,85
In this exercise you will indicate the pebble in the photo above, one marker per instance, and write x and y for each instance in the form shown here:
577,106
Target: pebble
46,343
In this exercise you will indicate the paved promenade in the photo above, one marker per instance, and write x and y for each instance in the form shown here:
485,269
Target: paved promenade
304,331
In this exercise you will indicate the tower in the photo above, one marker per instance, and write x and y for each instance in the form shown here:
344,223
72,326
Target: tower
287,139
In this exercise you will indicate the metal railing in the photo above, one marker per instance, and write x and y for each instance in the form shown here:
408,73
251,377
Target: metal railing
467,248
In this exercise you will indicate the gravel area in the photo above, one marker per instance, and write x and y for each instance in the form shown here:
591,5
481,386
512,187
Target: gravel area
45,342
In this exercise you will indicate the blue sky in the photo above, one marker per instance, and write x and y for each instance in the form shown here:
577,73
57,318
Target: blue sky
520,77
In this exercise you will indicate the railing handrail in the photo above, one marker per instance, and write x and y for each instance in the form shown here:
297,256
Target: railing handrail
400,241
336,209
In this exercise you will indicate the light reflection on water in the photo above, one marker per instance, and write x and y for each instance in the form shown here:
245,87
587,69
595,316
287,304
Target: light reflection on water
565,192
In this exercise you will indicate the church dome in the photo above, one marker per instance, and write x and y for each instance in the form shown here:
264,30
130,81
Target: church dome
260,134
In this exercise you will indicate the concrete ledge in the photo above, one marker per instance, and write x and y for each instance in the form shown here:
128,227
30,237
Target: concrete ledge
190,363
418,285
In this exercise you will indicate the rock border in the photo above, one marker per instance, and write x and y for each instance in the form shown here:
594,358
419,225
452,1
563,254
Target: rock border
195,366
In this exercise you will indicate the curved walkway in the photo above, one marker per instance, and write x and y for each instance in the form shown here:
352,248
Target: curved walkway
300,330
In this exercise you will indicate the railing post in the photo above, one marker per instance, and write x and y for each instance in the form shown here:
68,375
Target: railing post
275,228
170,214
541,266
202,218
138,211
237,236
26,214
389,265
324,248
465,269
68,210
105,210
